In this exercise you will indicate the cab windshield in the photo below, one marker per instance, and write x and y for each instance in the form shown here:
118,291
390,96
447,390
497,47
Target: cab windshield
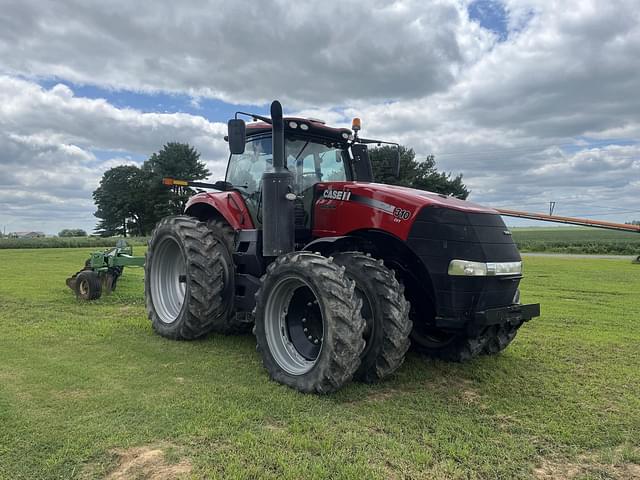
309,161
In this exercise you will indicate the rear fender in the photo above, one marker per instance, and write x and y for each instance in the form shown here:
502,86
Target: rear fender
228,205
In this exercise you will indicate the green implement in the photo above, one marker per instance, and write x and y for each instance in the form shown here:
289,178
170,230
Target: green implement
102,270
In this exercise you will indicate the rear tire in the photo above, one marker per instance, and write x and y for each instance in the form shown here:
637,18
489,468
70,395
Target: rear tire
308,324
88,285
386,314
189,279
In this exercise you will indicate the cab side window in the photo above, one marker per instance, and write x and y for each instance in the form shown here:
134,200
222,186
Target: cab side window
311,163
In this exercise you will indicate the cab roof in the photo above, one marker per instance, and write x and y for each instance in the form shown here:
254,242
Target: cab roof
315,128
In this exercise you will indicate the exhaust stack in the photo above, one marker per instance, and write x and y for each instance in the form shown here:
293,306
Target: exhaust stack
277,211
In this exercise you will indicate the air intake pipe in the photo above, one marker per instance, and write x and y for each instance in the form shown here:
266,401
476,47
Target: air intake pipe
278,227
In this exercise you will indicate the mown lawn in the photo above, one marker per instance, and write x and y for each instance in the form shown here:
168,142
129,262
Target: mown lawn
88,391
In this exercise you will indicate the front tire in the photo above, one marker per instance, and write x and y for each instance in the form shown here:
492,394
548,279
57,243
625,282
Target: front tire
189,279
386,314
308,324
449,346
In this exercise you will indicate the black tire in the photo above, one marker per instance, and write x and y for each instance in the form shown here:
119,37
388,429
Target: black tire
185,251
236,323
499,337
88,285
458,347
386,315
306,284
461,346
225,231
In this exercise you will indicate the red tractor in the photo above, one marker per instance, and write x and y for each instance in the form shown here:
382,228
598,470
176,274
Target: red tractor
336,274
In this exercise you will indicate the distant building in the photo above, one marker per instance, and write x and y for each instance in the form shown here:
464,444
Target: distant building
26,235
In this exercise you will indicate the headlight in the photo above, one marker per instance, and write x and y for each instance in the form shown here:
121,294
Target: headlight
473,269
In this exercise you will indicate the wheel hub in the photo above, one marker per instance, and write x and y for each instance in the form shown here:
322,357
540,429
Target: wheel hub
304,323
168,280
294,325
84,287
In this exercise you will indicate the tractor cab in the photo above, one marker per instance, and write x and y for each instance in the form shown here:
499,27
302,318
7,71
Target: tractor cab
313,153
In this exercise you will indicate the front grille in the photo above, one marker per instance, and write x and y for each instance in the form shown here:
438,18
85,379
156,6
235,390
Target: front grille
439,235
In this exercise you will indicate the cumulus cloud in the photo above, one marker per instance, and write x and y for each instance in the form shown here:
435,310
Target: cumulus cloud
546,110
314,52
48,143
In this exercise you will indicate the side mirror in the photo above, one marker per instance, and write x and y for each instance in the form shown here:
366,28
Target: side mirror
236,129
361,163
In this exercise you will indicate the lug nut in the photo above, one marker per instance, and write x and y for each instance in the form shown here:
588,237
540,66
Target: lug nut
304,320
309,304
310,337
305,330
315,341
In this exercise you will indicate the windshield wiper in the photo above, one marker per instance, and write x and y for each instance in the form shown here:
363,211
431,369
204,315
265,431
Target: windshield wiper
302,149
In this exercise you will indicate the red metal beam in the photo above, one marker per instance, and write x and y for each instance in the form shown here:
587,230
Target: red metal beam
585,222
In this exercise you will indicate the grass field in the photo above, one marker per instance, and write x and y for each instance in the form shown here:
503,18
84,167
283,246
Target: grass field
577,240
88,391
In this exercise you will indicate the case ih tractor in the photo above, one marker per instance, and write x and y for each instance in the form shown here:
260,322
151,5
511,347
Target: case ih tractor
336,274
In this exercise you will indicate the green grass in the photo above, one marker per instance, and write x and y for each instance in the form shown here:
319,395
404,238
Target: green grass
577,240
83,385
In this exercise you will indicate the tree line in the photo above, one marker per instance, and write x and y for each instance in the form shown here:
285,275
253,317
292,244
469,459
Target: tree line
130,200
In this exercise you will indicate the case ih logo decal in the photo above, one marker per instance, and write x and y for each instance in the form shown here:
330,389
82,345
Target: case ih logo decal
398,213
337,194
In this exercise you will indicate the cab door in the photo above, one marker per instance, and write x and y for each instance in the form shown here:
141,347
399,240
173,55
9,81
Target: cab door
312,162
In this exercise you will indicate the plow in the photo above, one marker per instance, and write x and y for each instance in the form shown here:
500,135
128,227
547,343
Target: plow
102,270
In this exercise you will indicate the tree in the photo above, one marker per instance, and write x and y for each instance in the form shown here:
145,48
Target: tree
175,160
132,199
422,175
72,232
118,199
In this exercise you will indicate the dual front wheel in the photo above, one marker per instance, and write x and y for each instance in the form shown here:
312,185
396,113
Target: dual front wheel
321,321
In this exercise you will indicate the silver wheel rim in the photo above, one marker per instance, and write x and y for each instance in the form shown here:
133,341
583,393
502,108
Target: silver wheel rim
84,287
168,280
276,327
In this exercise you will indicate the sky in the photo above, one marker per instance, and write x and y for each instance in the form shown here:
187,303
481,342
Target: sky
532,101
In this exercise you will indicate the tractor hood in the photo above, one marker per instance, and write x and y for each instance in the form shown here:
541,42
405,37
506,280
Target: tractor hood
344,207
405,196
421,198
